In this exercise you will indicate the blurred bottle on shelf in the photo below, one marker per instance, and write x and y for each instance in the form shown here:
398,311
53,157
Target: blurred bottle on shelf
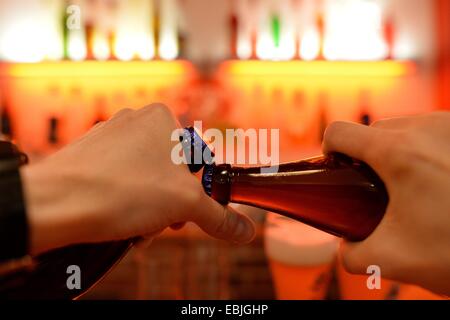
275,25
111,13
301,258
53,137
140,29
100,110
253,26
233,30
65,29
389,35
182,34
264,44
320,25
74,33
90,27
297,47
102,30
156,25
322,115
309,29
364,108
287,31
253,41
297,11
6,132
364,118
245,42
168,29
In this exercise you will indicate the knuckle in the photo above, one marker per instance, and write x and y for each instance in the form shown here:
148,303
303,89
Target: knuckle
159,113
351,263
122,113
331,132
333,128
399,154
156,108
376,149
380,124
227,225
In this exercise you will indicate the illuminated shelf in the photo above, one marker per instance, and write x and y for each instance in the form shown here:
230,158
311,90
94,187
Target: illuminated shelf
231,68
97,69
318,68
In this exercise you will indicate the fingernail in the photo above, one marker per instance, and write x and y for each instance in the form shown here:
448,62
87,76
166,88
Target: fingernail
243,232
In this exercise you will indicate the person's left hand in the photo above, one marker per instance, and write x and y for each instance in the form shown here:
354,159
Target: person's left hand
119,182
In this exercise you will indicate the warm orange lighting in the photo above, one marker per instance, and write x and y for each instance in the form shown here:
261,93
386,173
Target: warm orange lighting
310,45
168,45
77,45
99,69
123,46
101,46
353,32
319,68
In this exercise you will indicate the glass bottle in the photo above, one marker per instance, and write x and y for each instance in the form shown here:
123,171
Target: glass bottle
333,193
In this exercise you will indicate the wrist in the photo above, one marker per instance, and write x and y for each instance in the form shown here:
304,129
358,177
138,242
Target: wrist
49,225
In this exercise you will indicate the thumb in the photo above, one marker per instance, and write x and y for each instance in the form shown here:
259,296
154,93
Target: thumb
223,222
352,257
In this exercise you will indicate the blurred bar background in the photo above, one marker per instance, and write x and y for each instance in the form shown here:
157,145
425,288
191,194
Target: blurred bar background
296,65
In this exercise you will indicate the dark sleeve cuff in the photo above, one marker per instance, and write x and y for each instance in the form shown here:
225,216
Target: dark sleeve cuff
13,220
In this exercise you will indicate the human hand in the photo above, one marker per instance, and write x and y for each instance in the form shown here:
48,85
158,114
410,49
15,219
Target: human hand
412,157
118,182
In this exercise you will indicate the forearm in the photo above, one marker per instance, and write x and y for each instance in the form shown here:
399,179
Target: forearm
52,221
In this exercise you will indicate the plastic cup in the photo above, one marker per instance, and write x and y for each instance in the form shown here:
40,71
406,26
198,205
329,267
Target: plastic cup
300,257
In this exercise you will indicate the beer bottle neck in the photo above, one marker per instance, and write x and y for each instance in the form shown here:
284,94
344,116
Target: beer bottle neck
217,182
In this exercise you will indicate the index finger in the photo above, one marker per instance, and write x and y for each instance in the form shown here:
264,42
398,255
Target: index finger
355,140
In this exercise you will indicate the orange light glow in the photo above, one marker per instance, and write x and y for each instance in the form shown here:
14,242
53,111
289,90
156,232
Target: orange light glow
101,46
310,45
319,68
77,45
75,90
99,69
124,46
353,32
168,45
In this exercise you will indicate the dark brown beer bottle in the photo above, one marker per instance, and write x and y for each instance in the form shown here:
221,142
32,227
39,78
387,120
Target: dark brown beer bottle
334,193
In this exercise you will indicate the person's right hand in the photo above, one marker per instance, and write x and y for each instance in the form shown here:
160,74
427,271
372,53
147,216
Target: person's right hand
118,182
412,156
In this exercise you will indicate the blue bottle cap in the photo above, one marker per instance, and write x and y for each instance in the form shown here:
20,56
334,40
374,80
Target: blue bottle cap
197,152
